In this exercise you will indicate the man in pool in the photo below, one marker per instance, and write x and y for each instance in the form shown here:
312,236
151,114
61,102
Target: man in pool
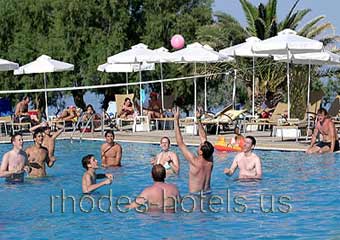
247,161
38,155
90,177
324,126
167,158
200,167
49,138
160,196
111,152
15,162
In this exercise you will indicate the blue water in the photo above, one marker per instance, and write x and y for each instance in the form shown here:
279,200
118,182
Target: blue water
308,187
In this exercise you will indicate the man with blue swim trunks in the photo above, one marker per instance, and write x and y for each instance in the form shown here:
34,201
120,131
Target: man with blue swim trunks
15,162
325,127
167,158
200,166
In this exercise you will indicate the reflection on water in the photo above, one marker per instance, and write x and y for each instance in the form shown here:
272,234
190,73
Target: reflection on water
304,186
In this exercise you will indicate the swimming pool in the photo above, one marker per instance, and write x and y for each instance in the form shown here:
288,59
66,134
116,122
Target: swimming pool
307,186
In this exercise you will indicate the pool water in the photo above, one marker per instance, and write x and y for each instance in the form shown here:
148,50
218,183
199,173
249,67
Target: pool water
297,198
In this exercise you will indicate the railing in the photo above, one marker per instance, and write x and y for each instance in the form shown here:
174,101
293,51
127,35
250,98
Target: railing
90,120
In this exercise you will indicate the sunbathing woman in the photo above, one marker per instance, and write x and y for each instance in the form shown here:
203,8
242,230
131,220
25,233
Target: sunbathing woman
90,112
127,109
69,114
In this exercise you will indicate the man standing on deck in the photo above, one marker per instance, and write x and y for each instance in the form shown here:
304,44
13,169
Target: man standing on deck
247,161
38,156
324,126
111,152
49,139
200,167
15,162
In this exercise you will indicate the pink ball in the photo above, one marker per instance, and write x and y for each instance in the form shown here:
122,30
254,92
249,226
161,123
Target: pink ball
177,41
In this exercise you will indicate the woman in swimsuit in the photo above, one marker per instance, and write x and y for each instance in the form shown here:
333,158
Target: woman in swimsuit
167,158
127,109
90,112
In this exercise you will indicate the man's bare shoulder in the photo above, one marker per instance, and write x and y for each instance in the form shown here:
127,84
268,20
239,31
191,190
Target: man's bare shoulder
104,145
329,122
44,149
29,149
239,155
117,145
172,153
7,154
172,186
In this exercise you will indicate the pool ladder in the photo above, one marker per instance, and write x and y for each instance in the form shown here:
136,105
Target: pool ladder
82,131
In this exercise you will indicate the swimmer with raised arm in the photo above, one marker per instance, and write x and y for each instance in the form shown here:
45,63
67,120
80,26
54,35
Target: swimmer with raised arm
90,177
247,161
167,158
38,156
200,166
49,138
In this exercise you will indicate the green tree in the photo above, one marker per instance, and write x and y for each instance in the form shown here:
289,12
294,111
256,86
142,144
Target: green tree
262,22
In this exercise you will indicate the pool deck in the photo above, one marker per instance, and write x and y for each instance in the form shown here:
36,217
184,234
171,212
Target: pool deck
264,140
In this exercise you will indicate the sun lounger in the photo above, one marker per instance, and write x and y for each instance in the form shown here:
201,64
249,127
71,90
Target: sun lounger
225,117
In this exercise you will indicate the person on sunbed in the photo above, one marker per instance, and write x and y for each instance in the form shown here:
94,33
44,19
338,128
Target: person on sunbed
90,112
154,109
268,105
21,112
69,114
127,109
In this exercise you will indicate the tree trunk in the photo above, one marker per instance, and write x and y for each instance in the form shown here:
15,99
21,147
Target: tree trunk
78,97
298,93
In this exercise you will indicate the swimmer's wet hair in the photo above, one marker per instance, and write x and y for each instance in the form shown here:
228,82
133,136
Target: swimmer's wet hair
158,173
207,149
35,133
86,160
108,132
165,137
14,135
253,140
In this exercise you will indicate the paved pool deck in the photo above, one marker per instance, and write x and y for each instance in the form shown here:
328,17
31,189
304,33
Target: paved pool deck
264,140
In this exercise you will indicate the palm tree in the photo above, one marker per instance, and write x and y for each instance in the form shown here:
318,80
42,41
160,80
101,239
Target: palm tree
262,22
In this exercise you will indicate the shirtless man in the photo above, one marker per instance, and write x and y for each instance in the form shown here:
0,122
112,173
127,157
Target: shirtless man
200,167
159,196
38,155
49,139
111,151
15,162
247,161
324,126
89,178
169,160
21,109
